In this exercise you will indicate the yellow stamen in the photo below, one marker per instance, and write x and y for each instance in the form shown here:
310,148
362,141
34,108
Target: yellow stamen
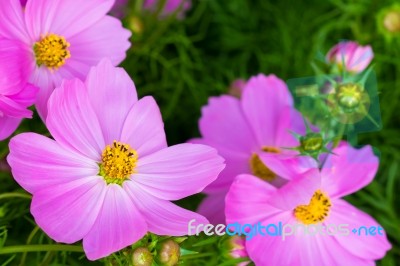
118,162
316,211
51,51
259,169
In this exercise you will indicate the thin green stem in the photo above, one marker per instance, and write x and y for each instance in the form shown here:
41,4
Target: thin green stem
38,248
15,195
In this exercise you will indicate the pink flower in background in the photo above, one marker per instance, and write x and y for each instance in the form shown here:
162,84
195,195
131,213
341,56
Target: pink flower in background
120,8
63,39
311,199
16,95
251,134
108,176
170,6
355,57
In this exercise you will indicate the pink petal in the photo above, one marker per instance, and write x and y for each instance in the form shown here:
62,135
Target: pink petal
46,81
237,162
12,25
27,96
223,123
68,211
72,120
38,162
178,171
213,208
105,39
298,249
290,120
65,18
144,128
349,170
361,58
8,125
369,247
112,94
244,207
162,217
263,100
297,192
118,225
14,67
286,164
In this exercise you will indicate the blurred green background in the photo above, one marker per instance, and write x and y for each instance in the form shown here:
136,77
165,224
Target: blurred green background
183,62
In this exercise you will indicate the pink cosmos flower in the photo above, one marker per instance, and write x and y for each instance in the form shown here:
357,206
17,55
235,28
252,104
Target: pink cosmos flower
251,134
313,199
64,39
170,6
15,93
355,57
108,176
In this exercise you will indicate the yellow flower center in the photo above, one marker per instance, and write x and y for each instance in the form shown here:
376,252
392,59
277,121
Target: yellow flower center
259,169
118,162
316,211
51,51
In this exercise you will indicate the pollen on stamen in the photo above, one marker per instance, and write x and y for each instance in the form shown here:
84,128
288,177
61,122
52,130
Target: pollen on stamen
259,169
316,211
118,162
51,51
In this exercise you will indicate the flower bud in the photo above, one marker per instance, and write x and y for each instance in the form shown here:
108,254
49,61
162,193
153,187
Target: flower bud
391,21
312,142
169,253
351,56
349,96
142,257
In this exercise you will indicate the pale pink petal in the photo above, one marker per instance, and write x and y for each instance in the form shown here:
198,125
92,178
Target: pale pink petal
237,162
72,120
118,225
297,192
12,25
213,208
162,217
68,211
287,164
178,171
223,123
299,249
112,94
290,120
46,81
38,162
247,200
8,125
105,39
360,59
65,18
144,129
14,66
370,247
348,170
263,100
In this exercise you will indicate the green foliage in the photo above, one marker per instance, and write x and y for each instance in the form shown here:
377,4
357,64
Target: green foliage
183,62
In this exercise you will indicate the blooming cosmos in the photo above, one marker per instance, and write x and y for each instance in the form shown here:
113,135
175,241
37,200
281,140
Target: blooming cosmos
108,176
15,93
350,55
314,199
64,38
251,134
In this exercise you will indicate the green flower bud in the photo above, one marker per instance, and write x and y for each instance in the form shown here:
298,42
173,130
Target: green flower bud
349,96
169,253
312,142
142,257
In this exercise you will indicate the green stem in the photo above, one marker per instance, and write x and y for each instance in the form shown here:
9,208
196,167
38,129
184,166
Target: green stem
15,195
38,248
